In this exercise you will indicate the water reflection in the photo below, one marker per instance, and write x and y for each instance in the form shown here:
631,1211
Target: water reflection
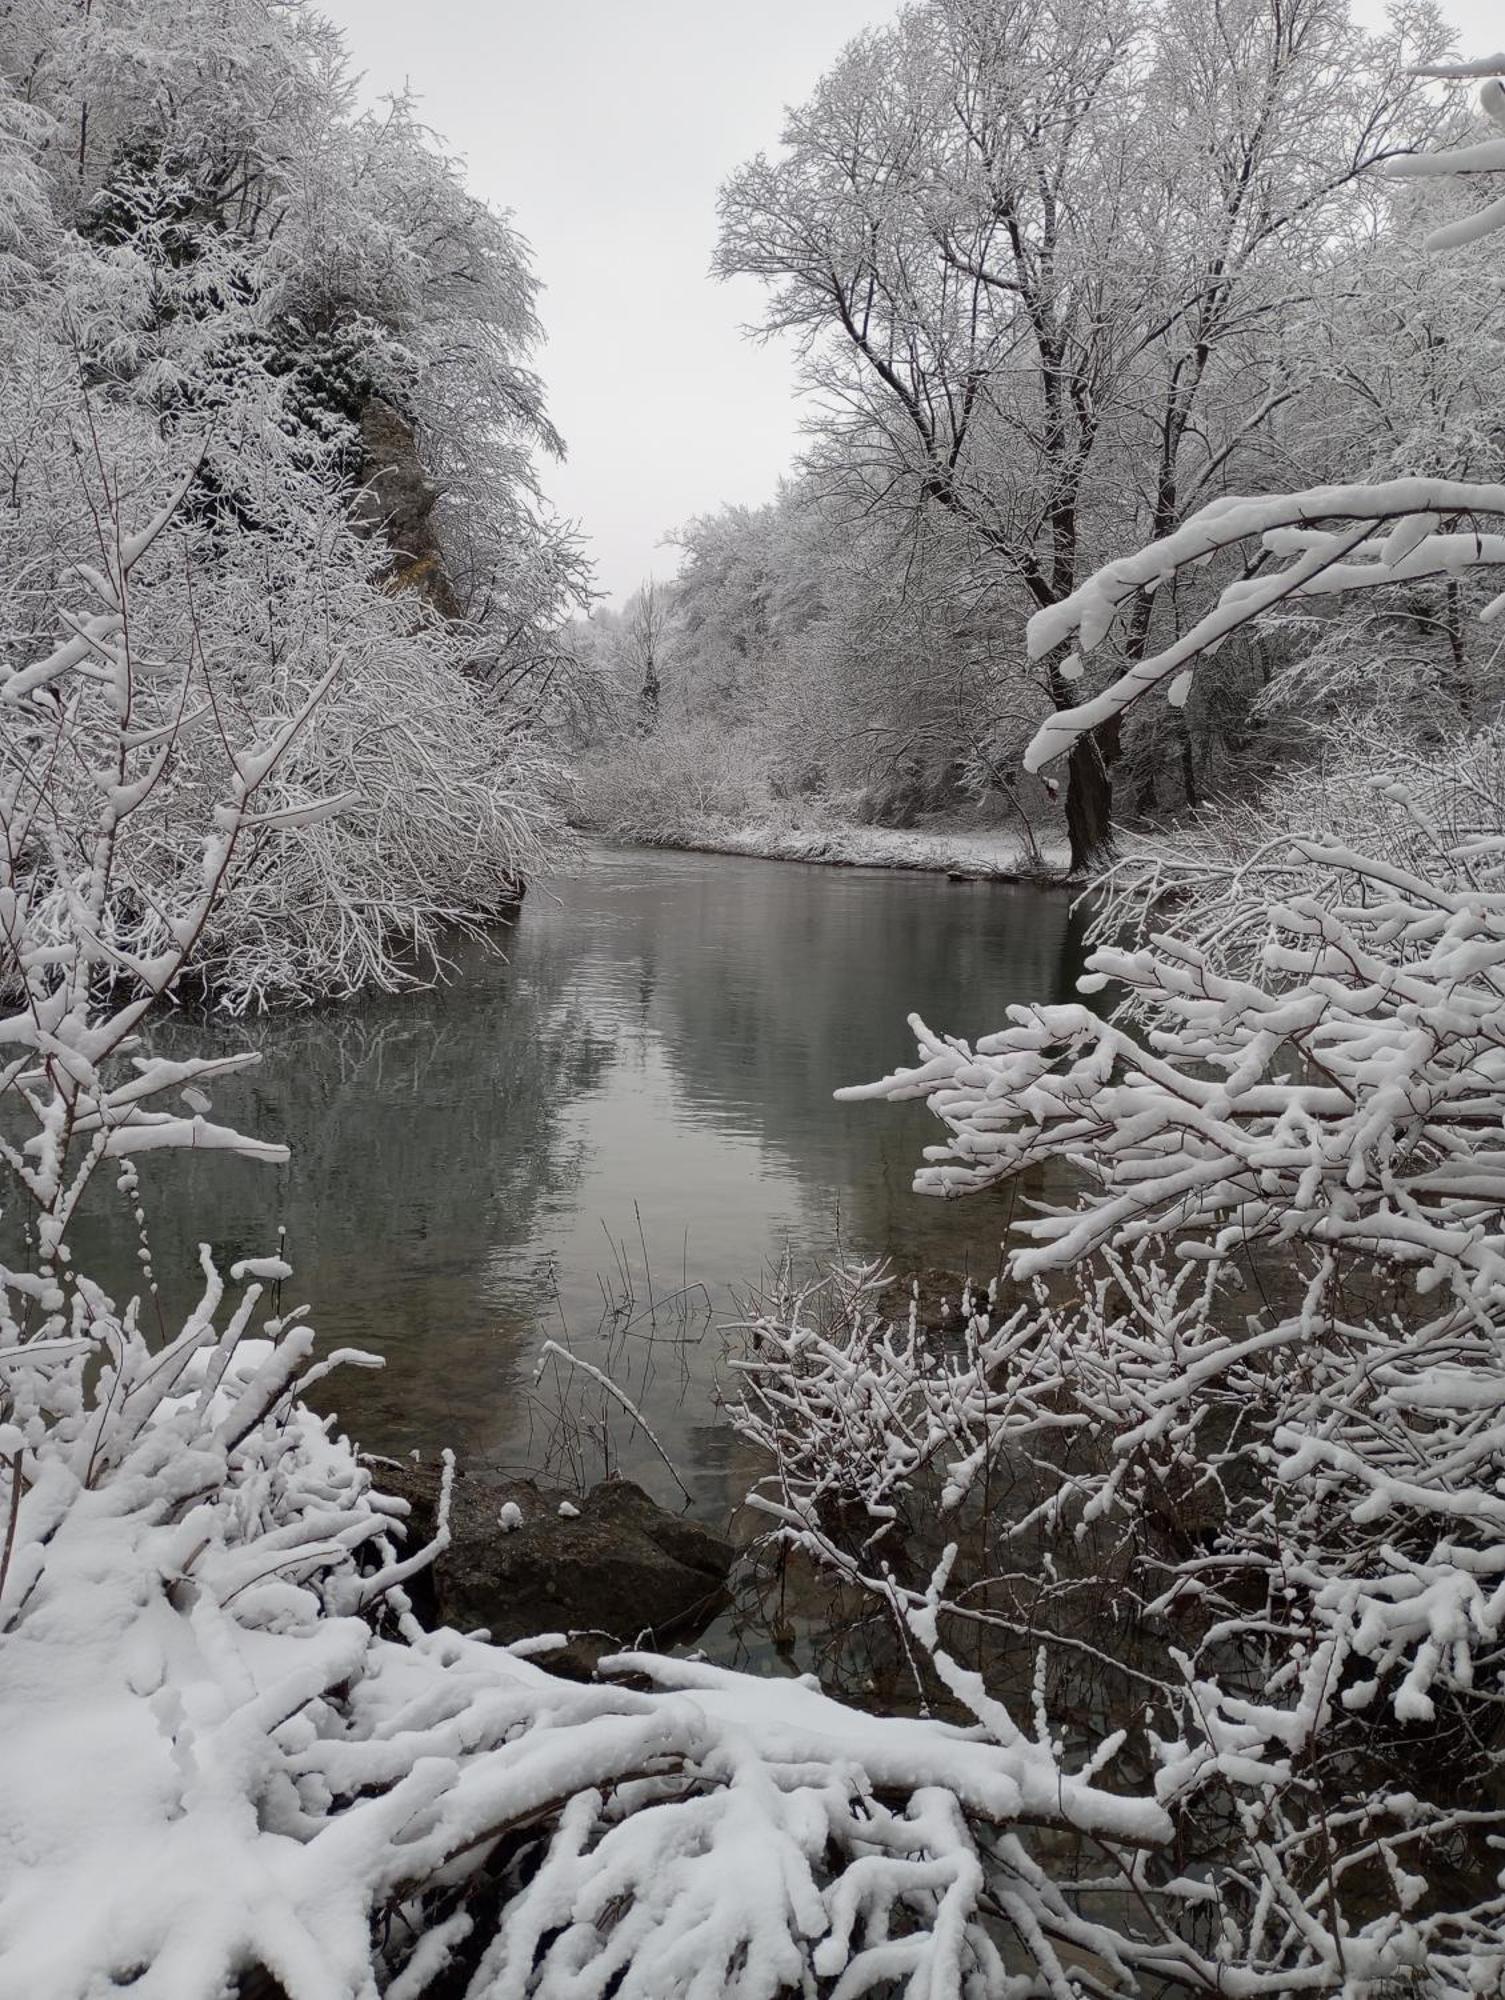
638,1093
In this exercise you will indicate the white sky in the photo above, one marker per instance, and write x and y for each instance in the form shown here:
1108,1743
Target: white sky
606,126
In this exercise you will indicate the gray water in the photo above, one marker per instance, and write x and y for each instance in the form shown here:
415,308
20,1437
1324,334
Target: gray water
627,1105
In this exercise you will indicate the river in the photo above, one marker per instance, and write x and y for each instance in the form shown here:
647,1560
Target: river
602,1133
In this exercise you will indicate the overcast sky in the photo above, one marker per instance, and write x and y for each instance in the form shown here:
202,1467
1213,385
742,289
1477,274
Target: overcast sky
606,126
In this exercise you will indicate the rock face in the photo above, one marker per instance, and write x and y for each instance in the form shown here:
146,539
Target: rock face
618,1570
397,500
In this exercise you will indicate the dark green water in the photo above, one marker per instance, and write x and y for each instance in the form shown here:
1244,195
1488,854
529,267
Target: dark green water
635,1099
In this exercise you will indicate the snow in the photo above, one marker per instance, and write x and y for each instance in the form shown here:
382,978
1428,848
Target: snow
1322,560
998,1780
216,1763
1485,66
994,854
211,1765
1306,1080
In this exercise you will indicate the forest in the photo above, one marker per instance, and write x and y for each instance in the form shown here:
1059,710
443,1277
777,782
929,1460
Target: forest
1036,335
1149,534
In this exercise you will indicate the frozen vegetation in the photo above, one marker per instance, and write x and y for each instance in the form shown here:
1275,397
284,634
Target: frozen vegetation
216,273
1193,1536
1062,282
982,853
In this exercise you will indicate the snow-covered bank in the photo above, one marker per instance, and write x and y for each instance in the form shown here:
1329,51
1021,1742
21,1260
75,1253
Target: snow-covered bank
994,854
236,1762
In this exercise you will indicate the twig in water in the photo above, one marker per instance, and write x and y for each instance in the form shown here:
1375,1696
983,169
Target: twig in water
563,1353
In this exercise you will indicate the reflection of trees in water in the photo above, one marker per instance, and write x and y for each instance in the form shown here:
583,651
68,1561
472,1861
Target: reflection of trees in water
432,1153
787,982
426,1143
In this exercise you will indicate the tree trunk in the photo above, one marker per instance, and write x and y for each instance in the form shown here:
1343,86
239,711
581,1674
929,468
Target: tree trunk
1188,763
1089,798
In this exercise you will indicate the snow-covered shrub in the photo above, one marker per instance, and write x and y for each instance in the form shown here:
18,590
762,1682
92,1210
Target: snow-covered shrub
670,785
1434,811
439,805
1105,1502
838,1396
1302,1098
220,1765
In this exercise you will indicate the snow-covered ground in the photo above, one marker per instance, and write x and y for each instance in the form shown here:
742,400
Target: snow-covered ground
997,853
234,1760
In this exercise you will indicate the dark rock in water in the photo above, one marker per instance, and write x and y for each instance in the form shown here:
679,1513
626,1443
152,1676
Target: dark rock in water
620,1570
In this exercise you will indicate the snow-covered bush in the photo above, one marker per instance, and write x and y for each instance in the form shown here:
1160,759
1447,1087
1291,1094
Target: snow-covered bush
1257,1563
671,785
1265,1410
439,805
1435,811
218,1768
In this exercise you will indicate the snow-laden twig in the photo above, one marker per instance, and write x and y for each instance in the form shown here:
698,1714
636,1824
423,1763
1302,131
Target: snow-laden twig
599,1376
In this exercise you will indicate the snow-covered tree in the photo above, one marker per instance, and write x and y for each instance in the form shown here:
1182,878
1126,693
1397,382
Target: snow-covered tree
1036,256
211,255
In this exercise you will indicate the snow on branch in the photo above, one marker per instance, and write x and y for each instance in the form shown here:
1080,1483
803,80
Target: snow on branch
1352,1095
1346,1561
1486,66
1302,1096
1322,559
1323,532
1486,156
1482,158
282,1772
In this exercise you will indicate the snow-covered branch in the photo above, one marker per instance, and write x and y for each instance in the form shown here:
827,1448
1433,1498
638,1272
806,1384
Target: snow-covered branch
1326,534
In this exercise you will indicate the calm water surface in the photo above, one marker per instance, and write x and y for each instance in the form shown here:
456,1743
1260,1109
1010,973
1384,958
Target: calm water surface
633,1103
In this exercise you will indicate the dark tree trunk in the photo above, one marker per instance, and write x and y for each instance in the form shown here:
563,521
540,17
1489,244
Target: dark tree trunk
1089,798
1188,764
1089,784
1146,794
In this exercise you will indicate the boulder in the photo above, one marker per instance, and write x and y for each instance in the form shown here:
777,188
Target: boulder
396,500
617,1571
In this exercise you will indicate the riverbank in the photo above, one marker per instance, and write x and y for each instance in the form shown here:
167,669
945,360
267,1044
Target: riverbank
989,854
